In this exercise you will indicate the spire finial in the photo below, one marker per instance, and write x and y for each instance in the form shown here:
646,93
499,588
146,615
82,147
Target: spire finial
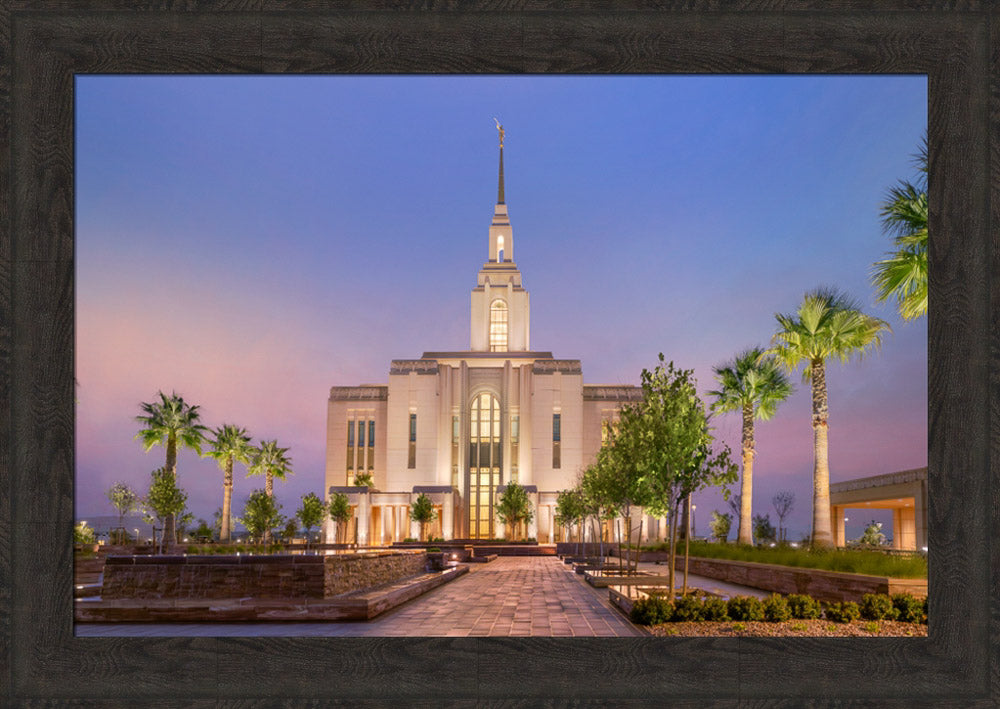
500,197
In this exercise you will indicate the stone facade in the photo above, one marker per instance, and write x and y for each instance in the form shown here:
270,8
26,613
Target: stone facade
263,577
467,423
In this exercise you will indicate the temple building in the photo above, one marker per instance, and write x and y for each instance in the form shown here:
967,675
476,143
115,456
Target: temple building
459,426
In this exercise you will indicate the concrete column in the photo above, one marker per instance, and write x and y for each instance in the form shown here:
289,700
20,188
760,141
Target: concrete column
525,411
897,528
837,515
533,524
448,515
364,510
505,423
463,448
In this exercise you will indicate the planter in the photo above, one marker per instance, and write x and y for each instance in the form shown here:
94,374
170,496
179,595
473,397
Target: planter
818,583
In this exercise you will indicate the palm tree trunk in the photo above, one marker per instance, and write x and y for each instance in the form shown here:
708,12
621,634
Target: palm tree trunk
227,501
269,489
169,523
821,533
746,487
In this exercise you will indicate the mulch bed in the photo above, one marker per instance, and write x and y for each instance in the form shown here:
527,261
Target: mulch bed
792,628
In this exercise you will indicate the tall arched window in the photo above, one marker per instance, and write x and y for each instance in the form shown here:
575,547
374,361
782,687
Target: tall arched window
498,326
484,463
500,249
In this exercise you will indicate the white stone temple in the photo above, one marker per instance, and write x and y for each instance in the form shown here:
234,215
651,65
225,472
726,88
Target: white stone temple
460,425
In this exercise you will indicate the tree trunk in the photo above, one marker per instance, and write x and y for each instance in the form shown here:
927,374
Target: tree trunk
621,554
821,533
673,548
746,488
638,546
169,523
628,539
227,501
269,489
600,536
687,545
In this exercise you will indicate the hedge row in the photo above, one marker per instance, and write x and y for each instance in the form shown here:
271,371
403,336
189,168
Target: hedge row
775,609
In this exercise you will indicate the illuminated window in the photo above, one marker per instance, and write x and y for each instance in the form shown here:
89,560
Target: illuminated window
350,451
498,326
412,459
556,440
500,249
484,464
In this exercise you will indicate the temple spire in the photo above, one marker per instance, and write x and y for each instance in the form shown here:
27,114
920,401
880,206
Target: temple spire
500,197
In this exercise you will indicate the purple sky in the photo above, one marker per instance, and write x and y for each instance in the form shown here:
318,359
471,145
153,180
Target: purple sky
251,241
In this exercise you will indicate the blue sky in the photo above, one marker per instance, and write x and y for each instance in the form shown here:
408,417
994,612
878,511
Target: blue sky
251,241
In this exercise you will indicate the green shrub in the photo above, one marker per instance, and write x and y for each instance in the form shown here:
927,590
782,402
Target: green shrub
803,607
878,606
433,549
651,611
687,608
910,608
842,612
745,608
714,608
409,540
776,609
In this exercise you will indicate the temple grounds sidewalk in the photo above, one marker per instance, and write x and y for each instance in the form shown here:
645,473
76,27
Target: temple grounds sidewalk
511,596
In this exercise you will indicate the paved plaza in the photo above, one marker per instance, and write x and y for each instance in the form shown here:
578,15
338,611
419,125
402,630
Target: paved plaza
510,596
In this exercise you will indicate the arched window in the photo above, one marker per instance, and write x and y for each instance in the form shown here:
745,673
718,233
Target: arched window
500,249
498,326
484,463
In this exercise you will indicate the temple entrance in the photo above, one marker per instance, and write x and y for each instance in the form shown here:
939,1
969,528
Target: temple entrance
483,474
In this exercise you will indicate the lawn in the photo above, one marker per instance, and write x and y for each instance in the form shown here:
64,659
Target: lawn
856,561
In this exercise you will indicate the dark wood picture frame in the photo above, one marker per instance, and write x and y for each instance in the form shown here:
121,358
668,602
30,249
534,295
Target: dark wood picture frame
955,44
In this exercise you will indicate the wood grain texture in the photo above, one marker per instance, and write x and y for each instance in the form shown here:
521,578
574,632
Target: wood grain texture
992,147
955,43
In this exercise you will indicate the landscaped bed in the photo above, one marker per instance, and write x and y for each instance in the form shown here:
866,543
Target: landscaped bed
790,628
701,614
853,561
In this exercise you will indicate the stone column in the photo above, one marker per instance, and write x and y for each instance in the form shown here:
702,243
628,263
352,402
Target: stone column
897,528
533,524
448,514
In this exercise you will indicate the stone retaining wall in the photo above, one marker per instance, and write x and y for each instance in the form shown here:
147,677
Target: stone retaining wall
274,576
823,585
349,572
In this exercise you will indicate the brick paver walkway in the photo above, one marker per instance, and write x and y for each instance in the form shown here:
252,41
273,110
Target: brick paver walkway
510,596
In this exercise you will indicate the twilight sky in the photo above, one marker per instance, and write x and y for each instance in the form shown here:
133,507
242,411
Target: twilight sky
250,242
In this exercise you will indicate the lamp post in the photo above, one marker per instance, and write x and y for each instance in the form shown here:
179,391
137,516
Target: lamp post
694,521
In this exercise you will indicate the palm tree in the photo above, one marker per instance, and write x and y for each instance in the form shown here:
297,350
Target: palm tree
270,461
753,384
827,324
903,275
170,422
231,444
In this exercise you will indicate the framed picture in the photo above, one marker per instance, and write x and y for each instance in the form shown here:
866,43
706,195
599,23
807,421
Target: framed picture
46,663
